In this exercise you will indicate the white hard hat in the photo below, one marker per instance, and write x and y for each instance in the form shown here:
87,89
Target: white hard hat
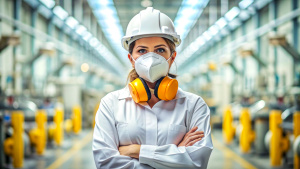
148,23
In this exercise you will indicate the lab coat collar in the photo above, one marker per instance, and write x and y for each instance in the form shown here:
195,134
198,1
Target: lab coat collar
125,93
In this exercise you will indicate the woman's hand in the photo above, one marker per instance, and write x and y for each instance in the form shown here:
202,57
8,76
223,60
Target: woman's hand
191,137
132,150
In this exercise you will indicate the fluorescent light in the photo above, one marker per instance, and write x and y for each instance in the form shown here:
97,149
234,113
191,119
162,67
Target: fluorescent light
107,17
221,23
45,11
235,23
48,3
191,2
100,47
58,22
104,11
232,13
87,36
94,42
207,36
71,22
213,30
229,19
107,24
113,31
80,30
200,40
187,15
224,32
60,12
194,47
105,2
245,4
244,15
188,12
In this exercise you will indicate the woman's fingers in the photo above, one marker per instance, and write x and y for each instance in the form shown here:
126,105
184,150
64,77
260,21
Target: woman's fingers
192,130
193,134
192,138
196,133
193,142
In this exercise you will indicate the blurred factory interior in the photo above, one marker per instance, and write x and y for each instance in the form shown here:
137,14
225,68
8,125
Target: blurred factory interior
58,58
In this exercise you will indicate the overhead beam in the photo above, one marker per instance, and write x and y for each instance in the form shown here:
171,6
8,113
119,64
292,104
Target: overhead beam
9,40
280,40
47,49
250,52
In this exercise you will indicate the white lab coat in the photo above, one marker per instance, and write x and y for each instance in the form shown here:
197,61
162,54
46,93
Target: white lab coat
120,121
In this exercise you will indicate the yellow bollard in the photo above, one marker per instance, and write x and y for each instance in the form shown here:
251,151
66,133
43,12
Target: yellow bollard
296,123
51,131
68,125
76,119
18,149
95,112
278,143
228,128
38,135
58,132
247,134
14,146
8,146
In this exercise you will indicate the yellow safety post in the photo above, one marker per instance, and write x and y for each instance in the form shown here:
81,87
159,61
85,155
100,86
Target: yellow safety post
68,125
228,128
278,143
296,123
59,131
38,135
247,134
14,146
51,131
95,112
56,131
76,119
8,146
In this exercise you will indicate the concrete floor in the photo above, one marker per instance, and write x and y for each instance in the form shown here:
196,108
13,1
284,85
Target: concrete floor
76,153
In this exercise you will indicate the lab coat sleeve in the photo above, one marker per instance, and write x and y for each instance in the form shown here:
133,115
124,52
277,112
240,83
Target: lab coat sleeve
106,142
171,156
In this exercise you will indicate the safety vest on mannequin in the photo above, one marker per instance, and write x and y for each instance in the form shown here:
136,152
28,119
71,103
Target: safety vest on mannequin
151,23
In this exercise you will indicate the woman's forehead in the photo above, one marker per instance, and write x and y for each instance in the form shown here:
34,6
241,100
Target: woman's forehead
150,41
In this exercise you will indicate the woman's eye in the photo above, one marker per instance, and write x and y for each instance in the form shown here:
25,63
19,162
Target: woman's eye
160,50
142,51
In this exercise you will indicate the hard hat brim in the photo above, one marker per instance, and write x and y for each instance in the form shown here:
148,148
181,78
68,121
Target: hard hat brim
127,40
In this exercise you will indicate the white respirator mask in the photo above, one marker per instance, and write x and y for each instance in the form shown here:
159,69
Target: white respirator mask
151,66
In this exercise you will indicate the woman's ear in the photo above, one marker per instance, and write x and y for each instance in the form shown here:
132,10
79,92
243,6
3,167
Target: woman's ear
130,59
173,56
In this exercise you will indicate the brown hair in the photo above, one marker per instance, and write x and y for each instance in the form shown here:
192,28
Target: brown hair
133,74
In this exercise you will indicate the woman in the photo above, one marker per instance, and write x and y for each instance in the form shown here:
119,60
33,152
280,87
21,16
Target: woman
151,123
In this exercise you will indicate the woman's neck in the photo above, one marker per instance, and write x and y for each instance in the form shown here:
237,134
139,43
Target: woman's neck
150,85
153,99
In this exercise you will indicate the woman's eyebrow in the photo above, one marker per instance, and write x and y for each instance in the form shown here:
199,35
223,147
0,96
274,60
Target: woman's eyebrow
142,47
159,45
